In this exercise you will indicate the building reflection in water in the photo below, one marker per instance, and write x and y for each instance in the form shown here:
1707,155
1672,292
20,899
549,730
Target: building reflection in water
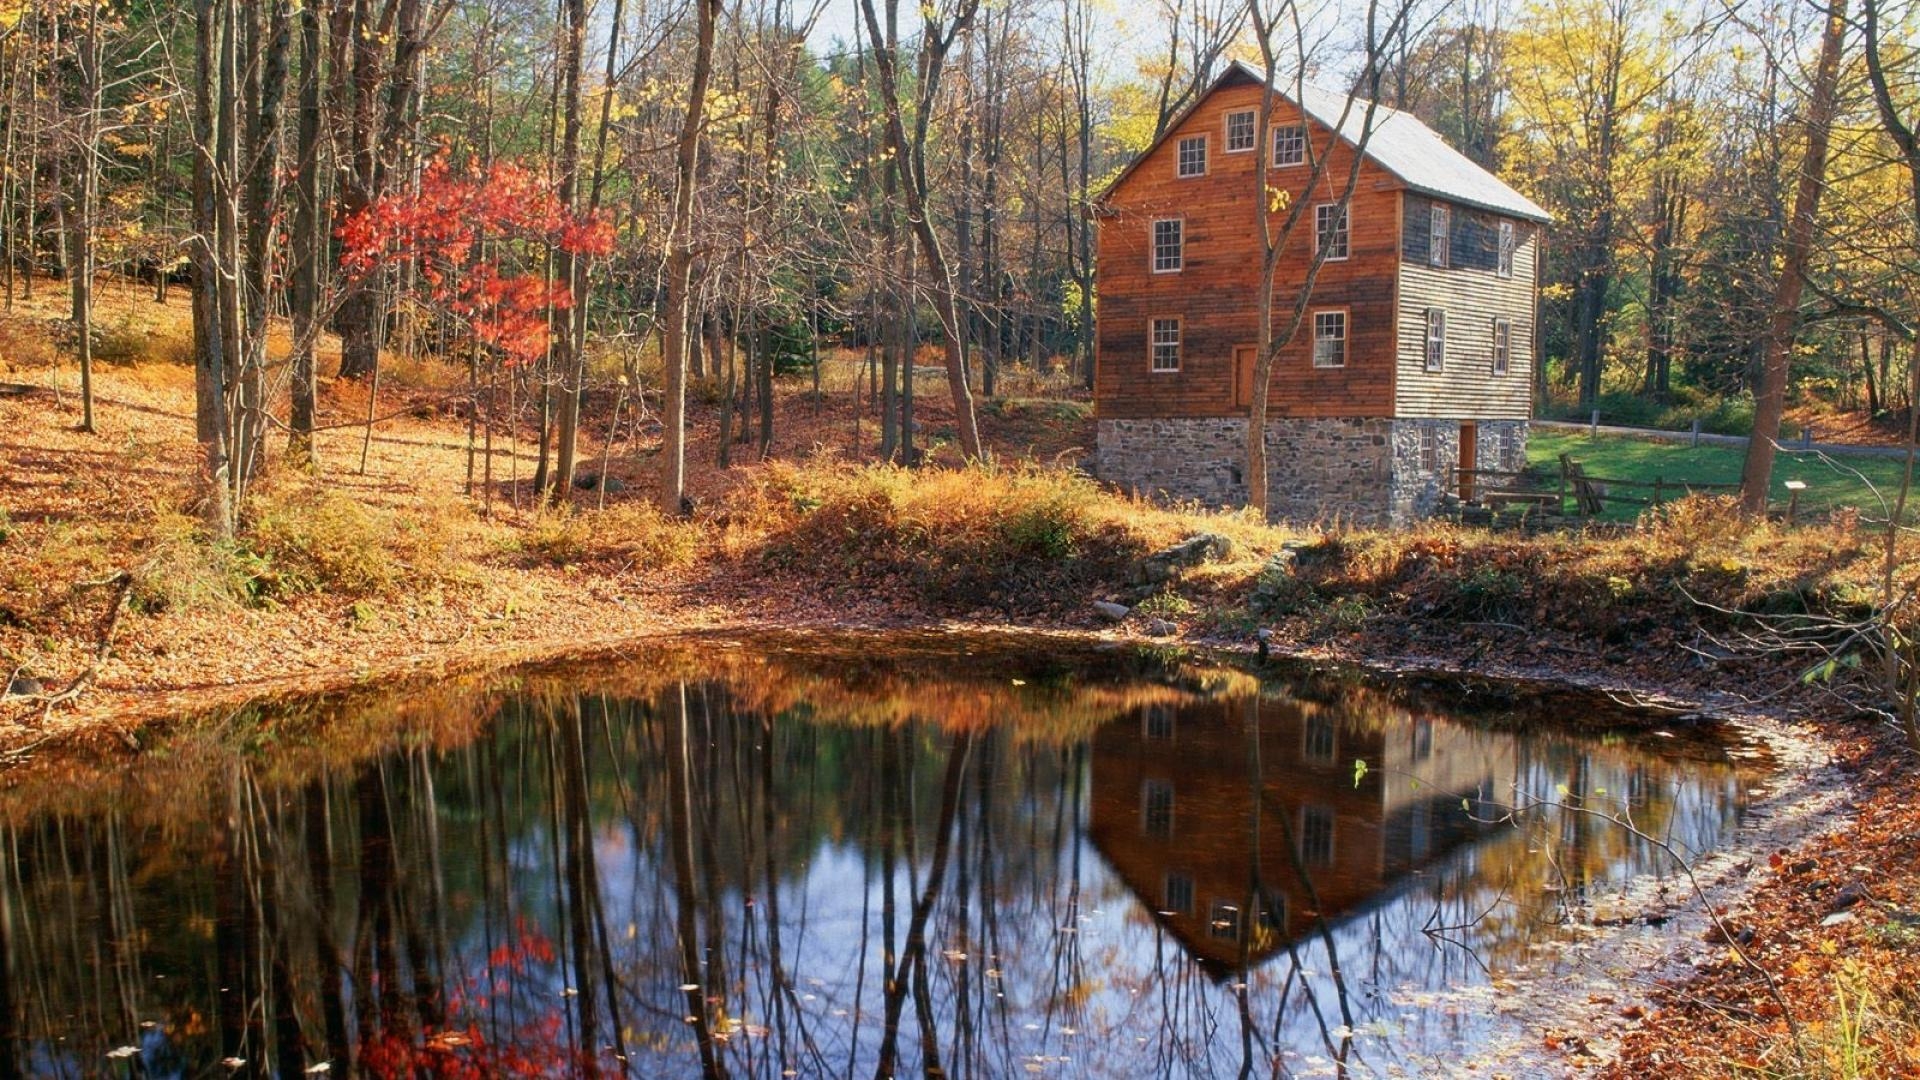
1241,825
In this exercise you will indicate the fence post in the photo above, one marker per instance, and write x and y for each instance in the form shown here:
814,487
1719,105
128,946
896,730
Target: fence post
1696,433
1594,431
1806,437
1658,489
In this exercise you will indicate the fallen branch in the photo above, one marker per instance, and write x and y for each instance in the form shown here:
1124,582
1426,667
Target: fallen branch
122,583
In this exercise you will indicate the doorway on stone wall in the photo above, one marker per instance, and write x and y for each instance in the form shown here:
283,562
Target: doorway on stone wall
1469,458
1243,363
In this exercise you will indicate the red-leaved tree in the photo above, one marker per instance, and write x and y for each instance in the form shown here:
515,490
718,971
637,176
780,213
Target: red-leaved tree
504,211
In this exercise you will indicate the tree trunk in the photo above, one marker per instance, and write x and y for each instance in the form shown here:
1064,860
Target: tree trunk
1270,342
309,246
569,358
1756,478
86,188
210,359
673,487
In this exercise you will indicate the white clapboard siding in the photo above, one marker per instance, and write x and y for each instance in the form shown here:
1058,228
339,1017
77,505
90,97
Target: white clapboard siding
1467,388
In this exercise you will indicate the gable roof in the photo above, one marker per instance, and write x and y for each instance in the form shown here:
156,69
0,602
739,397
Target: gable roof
1400,144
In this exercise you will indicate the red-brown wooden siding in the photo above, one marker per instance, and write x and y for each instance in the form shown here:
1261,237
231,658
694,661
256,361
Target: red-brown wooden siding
1215,295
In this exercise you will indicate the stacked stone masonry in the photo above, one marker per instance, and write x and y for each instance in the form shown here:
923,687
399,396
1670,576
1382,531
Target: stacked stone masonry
1365,471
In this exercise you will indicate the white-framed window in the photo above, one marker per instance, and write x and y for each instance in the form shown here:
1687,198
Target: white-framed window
1330,339
1193,156
1166,344
1156,808
1330,230
1240,131
1169,245
1273,911
1507,243
1223,920
1157,722
1320,742
1316,835
1429,449
1289,146
1502,346
1178,894
1439,228
1436,339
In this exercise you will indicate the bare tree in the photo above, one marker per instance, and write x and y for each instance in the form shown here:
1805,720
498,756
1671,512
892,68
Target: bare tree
940,28
679,284
1385,26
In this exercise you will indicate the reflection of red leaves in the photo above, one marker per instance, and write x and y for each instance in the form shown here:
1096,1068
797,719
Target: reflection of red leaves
454,216
534,1045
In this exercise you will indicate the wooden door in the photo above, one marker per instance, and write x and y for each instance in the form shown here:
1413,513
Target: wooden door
1469,459
1243,362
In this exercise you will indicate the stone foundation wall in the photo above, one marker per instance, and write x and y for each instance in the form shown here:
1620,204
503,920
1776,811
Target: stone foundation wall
1372,471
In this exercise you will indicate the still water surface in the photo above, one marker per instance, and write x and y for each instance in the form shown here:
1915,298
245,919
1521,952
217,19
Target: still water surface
763,860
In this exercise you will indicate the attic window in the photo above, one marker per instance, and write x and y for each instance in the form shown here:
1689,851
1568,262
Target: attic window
1239,131
1193,156
1320,741
1439,221
1289,146
1506,249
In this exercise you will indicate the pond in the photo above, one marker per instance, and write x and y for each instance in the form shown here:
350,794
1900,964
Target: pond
857,857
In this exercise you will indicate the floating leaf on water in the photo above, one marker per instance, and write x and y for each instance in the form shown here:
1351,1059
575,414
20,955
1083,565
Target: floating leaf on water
119,1052
322,1067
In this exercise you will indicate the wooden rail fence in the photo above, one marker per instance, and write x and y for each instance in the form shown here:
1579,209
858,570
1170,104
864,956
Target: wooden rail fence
1590,495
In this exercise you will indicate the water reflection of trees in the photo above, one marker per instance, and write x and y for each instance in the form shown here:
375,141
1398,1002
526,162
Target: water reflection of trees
664,877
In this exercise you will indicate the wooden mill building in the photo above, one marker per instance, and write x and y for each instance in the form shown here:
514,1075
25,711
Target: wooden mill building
1413,368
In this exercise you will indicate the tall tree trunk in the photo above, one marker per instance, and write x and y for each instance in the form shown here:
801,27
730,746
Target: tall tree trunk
268,60
309,244
673,487
86,188
1756,477
210,357
568,355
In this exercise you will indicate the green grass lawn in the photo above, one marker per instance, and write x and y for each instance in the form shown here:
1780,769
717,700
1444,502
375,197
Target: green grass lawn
1829,485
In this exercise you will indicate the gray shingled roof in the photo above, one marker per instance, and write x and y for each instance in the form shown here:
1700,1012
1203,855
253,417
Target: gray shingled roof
1409,149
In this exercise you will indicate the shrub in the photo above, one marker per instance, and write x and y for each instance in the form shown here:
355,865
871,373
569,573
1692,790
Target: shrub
26,345
1166,605
126,342
1021,538
632,532
312,539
